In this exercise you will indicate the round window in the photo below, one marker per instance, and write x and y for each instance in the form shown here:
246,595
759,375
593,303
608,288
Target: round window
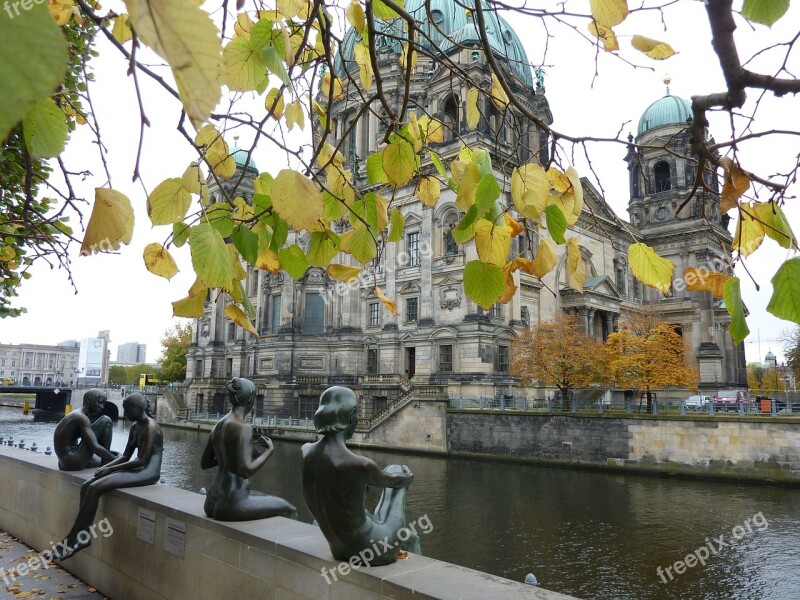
662,213
508,37
437,16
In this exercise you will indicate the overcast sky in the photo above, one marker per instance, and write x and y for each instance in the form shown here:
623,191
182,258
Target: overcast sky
115,292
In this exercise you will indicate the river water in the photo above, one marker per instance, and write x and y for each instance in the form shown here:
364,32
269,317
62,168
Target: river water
584,533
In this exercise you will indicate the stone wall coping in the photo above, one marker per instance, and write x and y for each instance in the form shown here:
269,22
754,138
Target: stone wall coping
717,418
299,543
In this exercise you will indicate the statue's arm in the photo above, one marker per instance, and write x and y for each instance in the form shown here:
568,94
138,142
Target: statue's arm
122,459
247,464
145,451
88,436
380,478
209,459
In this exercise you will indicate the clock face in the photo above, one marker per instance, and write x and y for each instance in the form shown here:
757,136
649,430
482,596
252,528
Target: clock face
662,213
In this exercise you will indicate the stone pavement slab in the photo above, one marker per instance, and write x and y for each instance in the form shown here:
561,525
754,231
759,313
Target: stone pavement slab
52,583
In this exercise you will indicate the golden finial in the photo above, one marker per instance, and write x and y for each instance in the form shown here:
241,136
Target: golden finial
667,81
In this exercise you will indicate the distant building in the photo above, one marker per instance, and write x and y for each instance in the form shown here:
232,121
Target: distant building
93,361
132,353
69,344
35,364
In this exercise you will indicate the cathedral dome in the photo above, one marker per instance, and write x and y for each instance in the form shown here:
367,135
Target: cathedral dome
669,110
240,156
449,29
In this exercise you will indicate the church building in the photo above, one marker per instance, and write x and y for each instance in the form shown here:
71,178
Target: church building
316,332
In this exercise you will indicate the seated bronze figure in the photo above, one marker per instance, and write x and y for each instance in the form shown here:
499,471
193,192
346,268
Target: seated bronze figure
335,485
82,439
230,447
146,438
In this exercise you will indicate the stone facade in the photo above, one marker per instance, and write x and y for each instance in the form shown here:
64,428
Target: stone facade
33,364
316,331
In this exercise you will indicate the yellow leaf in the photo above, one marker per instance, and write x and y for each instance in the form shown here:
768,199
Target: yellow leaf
268,261
293,8
509,285
735,184
355,15
749,232
605,35
244,68
433,129
243,24
111,223
429,190
522,264
328,154
576,268
159,261
297,200
513,225
61,10
192,180
558,180
473,114
576,191
413,131
403,55
336,92
382,210
184,35
530,190
650,268
216,151
499,96
775,224
168,203
399,162
236,260
275,108
705,280
493,242
362,59
652,48
467,187
344,273
609,12
121,30
242,211
236,314
295,115
387,302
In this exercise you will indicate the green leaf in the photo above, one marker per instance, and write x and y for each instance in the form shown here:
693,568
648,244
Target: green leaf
219,216
380,10
323,247
359,243
246,242
293,261
280,232
210,257
169,202
398,222
180,233
785,301
483,283
297,200
556,224
775,224
465,230
488,191
437,162
375,172
367,209
333,208
481,158
764,11
33,60
45,129
733,302
399,162
275,64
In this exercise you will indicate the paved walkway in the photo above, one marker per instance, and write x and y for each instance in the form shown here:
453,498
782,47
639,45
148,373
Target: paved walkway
53,583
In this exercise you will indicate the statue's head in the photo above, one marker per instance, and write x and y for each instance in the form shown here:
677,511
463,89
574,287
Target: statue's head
94,400
133,403
337,411
241,392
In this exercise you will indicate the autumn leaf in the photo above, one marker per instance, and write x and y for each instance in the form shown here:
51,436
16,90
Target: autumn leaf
398,226
733,302
467,186
775,223
390,304
576,268
749,232
530,190
473,114
785,301
652,48
650,268
493,242
288,188
295,115
159,261
346,273
735,184
111,223
324,245
45,129
483,283
399,162
355,16
274,103
429,190
192,179
360,243
210,257
605,35
235,314
545,259
499,96
704,280
184,35
216,151
609,12
362,59
169,202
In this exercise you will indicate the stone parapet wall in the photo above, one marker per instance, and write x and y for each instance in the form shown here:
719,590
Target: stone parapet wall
269,559
749,448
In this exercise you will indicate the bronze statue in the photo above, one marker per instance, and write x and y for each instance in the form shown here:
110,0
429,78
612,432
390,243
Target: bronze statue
335,485
146,438
82,439
231,448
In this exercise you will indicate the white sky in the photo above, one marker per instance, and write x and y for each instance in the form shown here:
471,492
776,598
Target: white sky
115,292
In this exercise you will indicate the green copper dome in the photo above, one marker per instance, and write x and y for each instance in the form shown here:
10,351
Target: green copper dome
449,29
669,110
240,156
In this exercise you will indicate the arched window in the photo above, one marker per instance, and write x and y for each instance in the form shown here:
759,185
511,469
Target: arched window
662,176
450,246
450,119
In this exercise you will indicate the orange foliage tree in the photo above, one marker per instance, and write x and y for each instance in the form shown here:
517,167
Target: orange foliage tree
647,354
557,354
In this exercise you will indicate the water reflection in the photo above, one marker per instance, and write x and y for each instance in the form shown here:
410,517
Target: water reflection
593,535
